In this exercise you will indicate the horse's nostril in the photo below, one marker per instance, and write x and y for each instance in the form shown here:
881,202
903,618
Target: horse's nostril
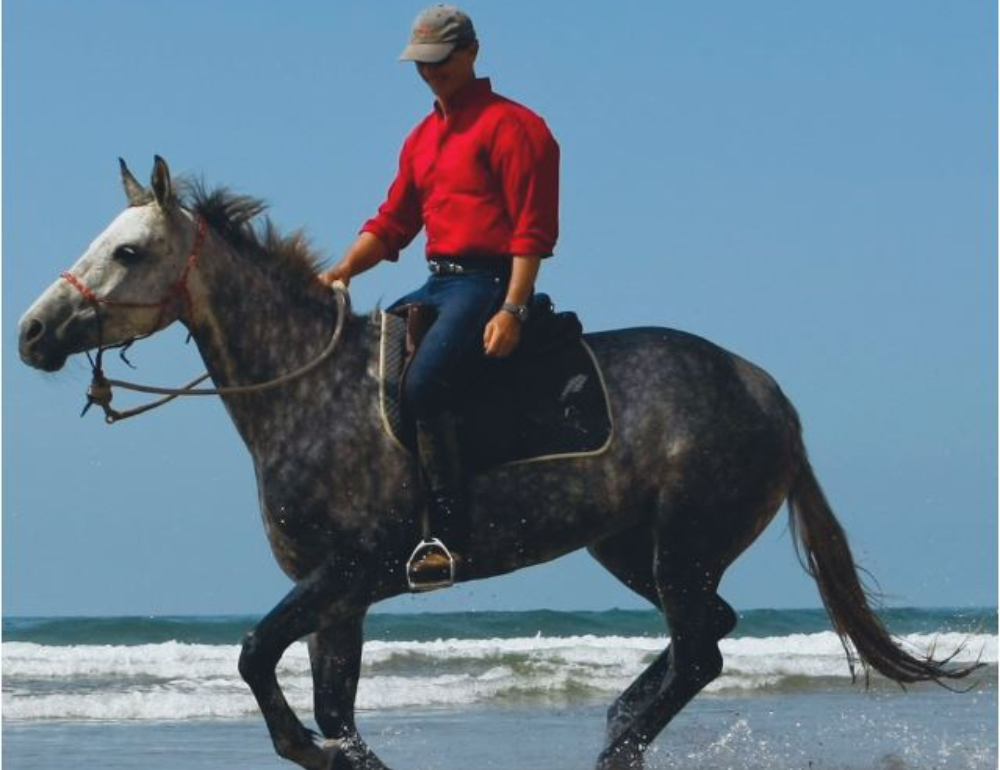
33,331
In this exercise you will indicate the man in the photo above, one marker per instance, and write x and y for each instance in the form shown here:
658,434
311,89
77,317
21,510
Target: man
480,173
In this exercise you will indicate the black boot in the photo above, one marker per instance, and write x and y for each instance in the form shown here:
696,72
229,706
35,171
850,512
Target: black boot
433,563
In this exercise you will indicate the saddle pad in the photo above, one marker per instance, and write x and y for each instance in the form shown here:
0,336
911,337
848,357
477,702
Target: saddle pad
540,407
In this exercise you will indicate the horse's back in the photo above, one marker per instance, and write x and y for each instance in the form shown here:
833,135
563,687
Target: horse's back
688,384
650,354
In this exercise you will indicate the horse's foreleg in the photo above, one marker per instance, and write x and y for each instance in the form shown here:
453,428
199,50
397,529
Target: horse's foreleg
295,617
335,654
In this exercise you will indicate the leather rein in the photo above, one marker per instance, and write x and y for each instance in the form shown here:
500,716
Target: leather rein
99,391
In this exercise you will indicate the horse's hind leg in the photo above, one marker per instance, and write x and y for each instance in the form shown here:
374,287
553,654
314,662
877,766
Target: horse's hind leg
335,655
686,573
629,557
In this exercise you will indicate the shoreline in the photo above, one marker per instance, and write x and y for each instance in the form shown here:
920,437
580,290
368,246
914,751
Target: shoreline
929,730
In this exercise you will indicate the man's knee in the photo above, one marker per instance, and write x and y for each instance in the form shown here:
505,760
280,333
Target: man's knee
425,395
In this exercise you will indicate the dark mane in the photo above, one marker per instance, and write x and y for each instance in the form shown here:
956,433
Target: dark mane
237,218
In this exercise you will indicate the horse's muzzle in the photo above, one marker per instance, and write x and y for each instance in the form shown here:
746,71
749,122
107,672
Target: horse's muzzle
36,348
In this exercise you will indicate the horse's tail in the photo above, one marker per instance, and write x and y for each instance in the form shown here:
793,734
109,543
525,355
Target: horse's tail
822,548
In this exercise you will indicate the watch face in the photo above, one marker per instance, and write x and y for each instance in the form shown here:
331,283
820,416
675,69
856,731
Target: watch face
520,312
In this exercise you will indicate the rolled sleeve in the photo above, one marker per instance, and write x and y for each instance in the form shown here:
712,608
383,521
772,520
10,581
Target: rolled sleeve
527,160
398,219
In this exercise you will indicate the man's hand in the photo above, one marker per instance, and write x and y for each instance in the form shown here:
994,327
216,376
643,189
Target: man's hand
503,332
366,252
502,335
339,272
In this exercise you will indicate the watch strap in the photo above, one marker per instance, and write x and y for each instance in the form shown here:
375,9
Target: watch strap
520,312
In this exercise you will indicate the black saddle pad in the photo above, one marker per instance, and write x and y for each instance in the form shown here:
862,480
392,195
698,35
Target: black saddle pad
546,402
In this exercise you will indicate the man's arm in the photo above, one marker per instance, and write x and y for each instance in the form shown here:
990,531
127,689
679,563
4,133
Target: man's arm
526,158
503,332
383,236
366,252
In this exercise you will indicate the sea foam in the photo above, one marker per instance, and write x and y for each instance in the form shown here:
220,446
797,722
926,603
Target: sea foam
174,680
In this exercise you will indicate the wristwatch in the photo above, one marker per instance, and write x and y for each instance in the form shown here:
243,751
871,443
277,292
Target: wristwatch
520,312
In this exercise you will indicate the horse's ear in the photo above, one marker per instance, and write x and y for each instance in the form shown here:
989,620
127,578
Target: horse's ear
137,194
162,189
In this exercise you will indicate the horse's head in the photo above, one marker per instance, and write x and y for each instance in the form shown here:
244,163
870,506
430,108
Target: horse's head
131,281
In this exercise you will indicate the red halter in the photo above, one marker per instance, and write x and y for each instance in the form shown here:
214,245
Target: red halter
176,289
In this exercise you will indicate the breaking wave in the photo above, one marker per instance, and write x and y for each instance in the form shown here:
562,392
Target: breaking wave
175,680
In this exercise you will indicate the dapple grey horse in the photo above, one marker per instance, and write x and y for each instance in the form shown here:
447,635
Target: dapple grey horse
706,448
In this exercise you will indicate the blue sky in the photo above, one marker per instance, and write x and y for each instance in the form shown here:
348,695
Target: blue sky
812,185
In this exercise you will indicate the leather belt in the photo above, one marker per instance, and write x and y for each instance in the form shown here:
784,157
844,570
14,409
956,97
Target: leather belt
460,265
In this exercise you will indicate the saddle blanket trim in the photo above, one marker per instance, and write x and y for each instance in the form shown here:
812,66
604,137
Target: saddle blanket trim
387,424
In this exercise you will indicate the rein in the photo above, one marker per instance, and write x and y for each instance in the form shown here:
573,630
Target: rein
99,392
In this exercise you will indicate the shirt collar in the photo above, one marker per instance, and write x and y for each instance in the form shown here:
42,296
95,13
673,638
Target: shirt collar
477,90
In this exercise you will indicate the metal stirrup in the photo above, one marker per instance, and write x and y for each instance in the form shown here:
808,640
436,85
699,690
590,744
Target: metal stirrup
424,547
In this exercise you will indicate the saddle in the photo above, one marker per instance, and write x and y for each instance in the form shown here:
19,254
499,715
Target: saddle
546,401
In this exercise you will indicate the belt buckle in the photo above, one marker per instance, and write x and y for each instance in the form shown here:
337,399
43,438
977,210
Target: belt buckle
444,267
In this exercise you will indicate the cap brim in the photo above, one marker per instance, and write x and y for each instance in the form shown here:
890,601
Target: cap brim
427,53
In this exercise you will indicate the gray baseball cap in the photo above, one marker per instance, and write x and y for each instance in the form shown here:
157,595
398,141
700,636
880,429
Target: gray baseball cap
437,32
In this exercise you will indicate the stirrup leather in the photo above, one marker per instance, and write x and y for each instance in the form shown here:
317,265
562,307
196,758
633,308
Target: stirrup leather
428,547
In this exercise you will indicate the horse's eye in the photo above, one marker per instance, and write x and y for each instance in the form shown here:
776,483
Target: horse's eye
127,254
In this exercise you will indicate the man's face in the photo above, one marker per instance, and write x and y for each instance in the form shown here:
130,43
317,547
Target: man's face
449,76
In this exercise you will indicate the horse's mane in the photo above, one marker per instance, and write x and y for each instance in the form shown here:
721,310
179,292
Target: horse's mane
238,220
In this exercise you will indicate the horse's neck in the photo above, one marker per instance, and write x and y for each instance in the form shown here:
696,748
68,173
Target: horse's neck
249,330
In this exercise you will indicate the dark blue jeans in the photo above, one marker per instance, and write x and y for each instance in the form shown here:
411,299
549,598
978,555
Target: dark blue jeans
451,356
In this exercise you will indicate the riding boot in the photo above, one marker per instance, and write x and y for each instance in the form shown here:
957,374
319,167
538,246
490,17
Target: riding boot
446,526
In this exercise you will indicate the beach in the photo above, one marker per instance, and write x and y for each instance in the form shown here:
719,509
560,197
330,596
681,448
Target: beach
487,693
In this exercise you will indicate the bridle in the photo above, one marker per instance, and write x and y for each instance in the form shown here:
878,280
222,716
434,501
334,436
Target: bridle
177,289
99,391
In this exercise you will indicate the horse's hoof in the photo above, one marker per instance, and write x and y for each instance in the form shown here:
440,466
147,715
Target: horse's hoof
349,754
335,756
624,757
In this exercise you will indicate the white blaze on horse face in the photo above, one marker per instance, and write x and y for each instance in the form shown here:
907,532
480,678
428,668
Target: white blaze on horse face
134,261
114,273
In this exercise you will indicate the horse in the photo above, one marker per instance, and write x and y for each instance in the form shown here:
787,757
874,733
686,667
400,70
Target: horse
706,449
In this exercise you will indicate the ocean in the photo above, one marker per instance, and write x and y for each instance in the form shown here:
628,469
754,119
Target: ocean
503,690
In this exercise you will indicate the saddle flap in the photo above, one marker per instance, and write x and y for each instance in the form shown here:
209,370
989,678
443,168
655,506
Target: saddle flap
419,319
549,402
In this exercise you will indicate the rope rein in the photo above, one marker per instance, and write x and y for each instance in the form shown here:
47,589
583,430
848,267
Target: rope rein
277,382
100,390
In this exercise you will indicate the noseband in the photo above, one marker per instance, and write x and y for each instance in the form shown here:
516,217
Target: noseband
99,391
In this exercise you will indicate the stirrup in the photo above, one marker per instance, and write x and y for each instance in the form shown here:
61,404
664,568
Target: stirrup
427,547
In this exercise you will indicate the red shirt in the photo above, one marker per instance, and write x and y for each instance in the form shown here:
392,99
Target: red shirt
483,180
